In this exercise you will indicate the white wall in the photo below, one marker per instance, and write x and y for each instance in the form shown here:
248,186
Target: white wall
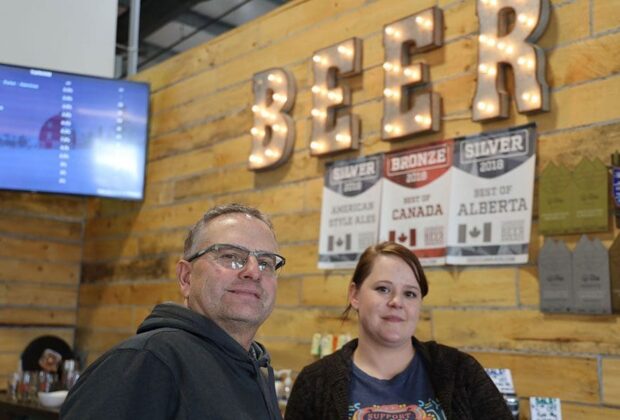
77,36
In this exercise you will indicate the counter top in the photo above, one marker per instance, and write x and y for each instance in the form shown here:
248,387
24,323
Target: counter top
10,408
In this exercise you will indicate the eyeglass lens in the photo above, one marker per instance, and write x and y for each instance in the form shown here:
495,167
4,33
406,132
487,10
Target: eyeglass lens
236,258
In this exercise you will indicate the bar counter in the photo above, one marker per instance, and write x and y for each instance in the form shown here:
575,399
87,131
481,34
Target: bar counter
12,410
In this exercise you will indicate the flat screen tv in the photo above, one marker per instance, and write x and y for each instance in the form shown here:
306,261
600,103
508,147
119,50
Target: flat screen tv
72,134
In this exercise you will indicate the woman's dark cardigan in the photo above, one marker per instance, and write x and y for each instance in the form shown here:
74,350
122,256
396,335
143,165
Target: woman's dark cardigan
464,390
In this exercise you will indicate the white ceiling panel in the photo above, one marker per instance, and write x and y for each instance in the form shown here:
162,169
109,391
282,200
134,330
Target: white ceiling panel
200,38
240,11
215,8
173,31
249,12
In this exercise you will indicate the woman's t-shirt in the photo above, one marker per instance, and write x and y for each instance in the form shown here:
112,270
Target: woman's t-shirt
407,396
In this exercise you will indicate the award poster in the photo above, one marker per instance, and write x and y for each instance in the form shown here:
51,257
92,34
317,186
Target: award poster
350,210
491,197
415,199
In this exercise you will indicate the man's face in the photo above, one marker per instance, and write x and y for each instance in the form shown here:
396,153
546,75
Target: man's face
231,298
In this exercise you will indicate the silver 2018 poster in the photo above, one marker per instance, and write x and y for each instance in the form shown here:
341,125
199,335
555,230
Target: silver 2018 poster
491,197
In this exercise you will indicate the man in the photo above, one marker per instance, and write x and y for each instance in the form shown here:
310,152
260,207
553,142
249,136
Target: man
197,361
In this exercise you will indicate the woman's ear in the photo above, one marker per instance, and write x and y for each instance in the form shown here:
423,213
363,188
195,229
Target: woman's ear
353,296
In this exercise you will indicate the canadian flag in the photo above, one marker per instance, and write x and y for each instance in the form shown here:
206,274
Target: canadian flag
474,232
338,242
402,237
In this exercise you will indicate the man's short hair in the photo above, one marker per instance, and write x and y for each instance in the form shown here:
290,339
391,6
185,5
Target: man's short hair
217,211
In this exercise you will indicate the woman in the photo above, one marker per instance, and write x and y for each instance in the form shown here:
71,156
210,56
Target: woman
387,371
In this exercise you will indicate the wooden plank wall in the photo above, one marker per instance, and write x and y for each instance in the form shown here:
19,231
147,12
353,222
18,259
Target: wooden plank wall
199,144
40,256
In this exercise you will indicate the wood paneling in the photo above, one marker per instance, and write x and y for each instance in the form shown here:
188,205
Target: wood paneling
107,317
110,249
611,381
471,287
568,148
234,179
40,255
8,365
568,23
197,158
37,271
14,340
38,295
297,227
11,315
144,268
288,291
202,134
605,16
529,292
581,411
326,290
39,249
568,378
566,64
300,324
40,205
23,225
528,330
132,293
93,340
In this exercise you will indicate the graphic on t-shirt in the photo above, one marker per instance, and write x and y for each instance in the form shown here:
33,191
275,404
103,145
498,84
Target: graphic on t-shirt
430,410
407,396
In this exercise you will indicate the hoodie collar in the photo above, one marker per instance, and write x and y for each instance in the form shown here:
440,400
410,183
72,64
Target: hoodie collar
173,315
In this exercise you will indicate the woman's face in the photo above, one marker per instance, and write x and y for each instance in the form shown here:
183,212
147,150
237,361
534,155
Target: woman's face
388,302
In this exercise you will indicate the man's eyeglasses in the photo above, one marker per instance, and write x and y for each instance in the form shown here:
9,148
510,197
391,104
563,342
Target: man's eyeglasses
236,257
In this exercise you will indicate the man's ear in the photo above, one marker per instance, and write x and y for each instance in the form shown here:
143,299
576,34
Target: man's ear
184,271
353,296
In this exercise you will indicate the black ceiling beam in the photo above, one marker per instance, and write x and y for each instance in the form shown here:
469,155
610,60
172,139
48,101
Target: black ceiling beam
148,49
198,20
153,15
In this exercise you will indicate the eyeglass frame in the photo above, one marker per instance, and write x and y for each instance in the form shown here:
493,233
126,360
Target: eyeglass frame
256,254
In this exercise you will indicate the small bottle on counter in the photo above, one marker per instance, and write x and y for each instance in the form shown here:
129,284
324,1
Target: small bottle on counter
70,374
